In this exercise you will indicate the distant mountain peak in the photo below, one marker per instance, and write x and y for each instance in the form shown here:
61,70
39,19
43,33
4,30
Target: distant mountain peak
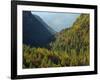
45,25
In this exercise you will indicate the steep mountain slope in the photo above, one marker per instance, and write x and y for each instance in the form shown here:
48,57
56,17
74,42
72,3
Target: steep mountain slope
75,38
35,31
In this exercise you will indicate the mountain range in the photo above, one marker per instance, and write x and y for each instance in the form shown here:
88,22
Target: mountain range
70,47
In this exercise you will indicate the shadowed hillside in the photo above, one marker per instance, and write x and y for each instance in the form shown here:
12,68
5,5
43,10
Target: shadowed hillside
35,31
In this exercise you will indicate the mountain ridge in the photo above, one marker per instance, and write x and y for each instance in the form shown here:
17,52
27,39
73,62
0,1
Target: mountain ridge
35,30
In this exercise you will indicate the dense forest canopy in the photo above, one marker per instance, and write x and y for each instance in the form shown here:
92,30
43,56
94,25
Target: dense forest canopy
69,48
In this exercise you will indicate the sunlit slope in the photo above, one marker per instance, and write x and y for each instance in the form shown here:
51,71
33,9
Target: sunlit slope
75,38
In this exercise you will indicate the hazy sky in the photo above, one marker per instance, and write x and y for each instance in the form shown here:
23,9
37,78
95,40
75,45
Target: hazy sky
57,21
